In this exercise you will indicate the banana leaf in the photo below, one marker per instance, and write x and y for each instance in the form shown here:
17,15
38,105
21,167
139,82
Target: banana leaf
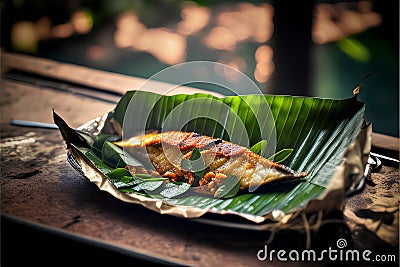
328,138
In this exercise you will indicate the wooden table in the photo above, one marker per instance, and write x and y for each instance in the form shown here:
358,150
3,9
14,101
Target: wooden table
49,209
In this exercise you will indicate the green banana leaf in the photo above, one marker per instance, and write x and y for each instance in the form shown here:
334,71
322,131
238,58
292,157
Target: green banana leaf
312,135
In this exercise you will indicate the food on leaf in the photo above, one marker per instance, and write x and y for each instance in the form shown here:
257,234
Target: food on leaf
205,161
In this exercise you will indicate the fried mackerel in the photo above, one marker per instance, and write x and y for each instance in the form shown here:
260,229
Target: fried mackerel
166,150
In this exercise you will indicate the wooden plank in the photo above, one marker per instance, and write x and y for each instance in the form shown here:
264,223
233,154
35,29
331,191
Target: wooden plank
89,77
385,142
22,101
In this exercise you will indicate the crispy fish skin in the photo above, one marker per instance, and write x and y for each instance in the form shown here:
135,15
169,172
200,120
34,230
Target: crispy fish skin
221,158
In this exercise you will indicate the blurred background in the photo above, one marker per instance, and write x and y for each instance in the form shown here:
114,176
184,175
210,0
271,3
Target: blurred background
307,48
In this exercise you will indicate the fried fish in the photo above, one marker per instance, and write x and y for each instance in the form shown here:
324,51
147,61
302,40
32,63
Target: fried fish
166,151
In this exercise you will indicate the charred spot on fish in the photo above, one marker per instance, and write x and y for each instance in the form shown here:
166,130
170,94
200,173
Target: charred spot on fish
211,144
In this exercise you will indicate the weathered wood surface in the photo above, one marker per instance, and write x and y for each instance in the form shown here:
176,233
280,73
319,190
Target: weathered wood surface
40,187
113,82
